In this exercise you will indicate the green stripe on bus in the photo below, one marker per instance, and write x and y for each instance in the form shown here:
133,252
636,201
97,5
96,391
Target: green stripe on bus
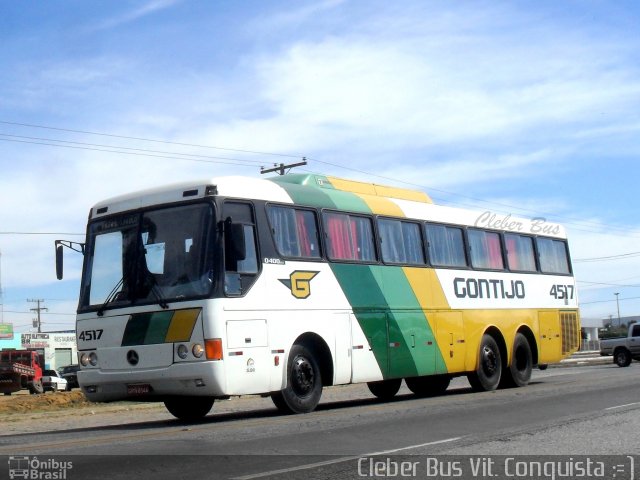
158,328
400,336
147,328
136,329
322,197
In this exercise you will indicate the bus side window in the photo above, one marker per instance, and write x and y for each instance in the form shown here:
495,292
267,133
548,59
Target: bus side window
349,237
485,248
295,231
520,252
446,246
241,272
553,256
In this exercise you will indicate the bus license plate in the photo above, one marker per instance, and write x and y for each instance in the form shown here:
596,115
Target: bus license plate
139,389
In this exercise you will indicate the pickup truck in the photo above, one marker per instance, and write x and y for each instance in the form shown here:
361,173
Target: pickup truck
623,349
51,380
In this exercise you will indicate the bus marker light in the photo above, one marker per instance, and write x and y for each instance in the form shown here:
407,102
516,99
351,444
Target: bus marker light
235,354
197,350
213,347
276,360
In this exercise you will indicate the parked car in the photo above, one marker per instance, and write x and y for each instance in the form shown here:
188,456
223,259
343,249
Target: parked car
623,349
52,381
70,374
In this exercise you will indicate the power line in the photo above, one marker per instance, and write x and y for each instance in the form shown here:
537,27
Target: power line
622,256
19,312
607,284
128,153
166,142
221,160
609,301
146,150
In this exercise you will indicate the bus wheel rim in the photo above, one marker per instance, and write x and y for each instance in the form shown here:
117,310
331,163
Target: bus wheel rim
303,376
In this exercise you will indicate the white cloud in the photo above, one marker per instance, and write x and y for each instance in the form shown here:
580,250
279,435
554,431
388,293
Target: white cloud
148,8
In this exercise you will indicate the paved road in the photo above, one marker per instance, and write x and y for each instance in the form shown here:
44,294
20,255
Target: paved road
564,411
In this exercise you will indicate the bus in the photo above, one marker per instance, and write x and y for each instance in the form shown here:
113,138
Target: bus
283,286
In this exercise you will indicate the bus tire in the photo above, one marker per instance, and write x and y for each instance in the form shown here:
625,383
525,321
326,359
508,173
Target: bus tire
487,375
304,383
428,386
519,372
385,389
622,357
189,409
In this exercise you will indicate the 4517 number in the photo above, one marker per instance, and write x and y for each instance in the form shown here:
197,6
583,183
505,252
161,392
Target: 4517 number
562,292
90,335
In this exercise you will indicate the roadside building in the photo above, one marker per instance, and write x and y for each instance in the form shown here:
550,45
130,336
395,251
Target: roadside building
58,348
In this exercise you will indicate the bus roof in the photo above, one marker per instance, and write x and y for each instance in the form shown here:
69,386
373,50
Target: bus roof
332,193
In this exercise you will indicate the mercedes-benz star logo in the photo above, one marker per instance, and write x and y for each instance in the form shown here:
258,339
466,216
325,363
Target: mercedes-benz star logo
132,357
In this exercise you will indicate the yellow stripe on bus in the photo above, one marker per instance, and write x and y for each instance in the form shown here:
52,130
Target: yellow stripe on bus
378,190
182,325
382,206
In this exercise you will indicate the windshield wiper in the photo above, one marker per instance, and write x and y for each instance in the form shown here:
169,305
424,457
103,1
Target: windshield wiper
149,284
158,294
111,297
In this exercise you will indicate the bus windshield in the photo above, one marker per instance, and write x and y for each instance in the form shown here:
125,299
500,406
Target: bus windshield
154,256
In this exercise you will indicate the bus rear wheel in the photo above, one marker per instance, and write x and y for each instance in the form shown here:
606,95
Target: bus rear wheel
304,383
385,389
487,375
189,409
428,386
519,372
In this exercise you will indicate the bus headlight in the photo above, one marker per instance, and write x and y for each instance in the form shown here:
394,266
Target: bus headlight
183,351
93,359
197,350
84,359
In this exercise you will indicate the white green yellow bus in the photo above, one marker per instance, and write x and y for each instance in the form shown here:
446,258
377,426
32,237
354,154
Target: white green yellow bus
283,286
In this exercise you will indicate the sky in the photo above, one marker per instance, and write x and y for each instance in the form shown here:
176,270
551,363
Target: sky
523,108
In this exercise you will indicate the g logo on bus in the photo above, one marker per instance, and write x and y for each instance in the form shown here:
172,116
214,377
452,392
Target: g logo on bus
132,357
299,282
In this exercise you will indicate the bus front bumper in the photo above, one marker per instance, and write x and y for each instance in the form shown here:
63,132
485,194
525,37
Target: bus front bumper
203,379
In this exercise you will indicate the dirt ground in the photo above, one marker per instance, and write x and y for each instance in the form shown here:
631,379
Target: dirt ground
24,413
21,403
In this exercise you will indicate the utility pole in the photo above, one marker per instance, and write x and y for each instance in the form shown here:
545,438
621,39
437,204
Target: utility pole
38,309
280,169
618,304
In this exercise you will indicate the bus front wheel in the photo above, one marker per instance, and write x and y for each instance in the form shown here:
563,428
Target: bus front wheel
189,409
487,375
304,383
